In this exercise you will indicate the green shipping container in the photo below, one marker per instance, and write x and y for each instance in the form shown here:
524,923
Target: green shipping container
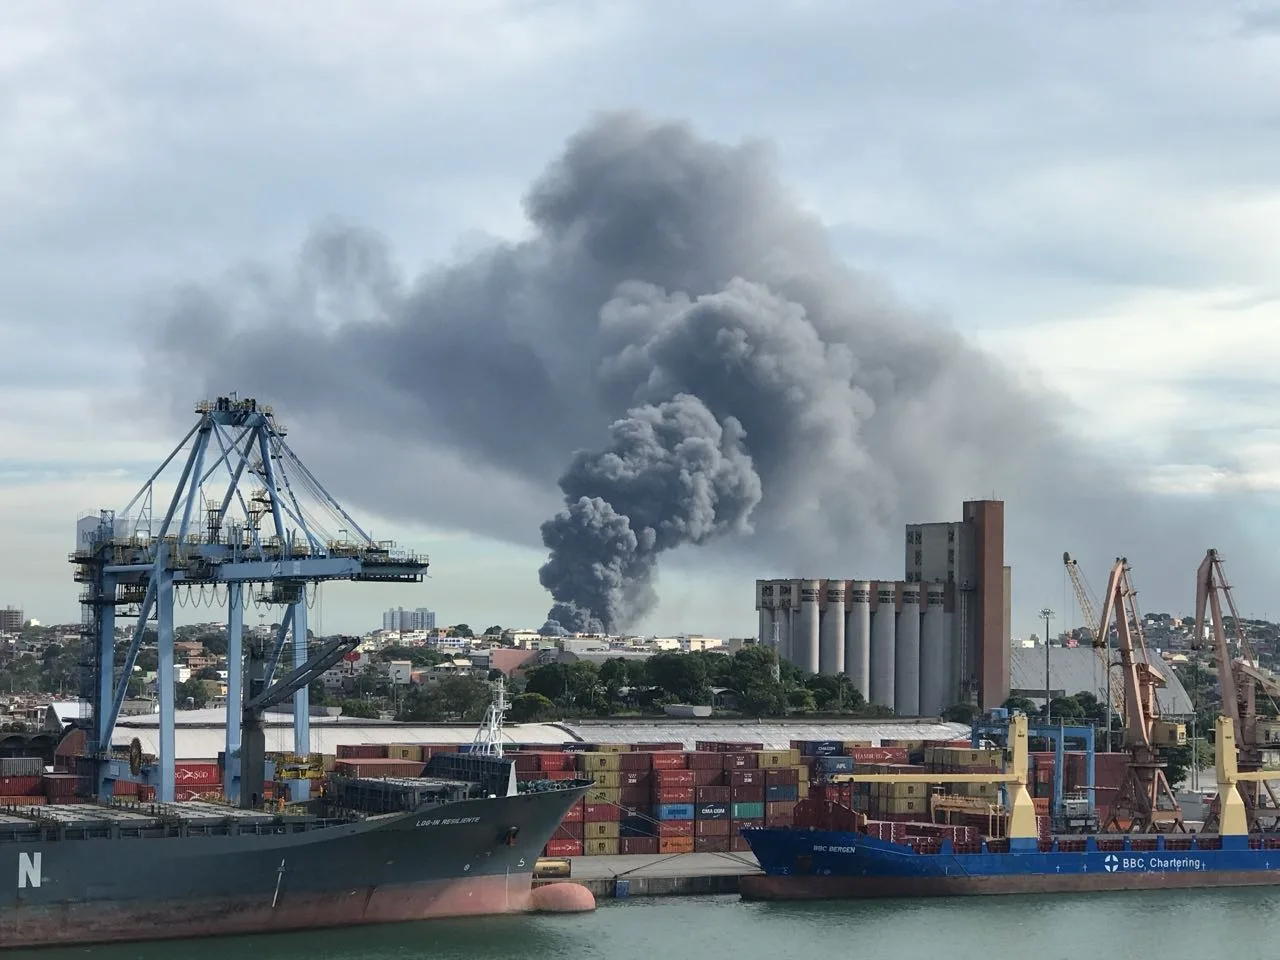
748,811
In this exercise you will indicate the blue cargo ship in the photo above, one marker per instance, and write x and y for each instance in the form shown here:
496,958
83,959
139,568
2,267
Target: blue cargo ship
807,863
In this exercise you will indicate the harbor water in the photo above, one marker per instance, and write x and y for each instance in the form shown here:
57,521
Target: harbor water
1186,925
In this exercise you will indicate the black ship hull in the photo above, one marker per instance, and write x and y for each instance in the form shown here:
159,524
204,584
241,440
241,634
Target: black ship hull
466,858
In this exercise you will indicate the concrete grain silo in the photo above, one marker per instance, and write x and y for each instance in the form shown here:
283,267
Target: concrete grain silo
831,647
906,677
883,642
935,662
805,632
857,637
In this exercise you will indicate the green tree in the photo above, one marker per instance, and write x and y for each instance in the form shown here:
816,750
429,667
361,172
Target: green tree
801,700
549,680
1021,705
682,677
961,713
464,698
531,708
362,709
195,691
494,631
460,630
750,676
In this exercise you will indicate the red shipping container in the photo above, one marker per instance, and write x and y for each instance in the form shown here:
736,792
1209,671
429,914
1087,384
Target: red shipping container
526,762
600,812
367,768
738,844
574,813
662,795
564,848
629,796
641,762
187,794
558,774
634,846
60,785
21,787
780,812
702,761
361,751
711,844
880,754
683,844
556,761
570,831
196,774
712,828
713,795
669,761
751,794
741,761
708,776
124,788
634,778
674,778
783,777
147,794
743,778
666,747
674,828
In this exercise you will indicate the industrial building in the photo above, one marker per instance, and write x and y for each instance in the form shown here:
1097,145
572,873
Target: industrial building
939,636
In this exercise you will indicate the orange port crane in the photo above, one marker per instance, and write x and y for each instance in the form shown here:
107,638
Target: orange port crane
1240,681
1144,802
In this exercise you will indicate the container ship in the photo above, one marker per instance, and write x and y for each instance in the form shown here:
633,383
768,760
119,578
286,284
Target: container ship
460,840
834,852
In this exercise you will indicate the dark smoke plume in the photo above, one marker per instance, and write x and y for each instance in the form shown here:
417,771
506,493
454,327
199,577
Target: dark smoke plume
672,474
767,401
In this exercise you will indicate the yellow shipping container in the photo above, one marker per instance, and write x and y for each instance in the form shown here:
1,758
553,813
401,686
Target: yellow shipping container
328,762
405,751
855,744
613,748
601,830
607,778
892,790
592,762
601,848
604,795
985,791
900,805
802,789
778,758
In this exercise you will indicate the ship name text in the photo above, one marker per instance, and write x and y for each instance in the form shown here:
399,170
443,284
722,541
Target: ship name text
29,874
447,821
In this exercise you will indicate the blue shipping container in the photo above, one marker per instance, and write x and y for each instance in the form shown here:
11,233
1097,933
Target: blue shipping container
821,748
676,811
834,764
779,793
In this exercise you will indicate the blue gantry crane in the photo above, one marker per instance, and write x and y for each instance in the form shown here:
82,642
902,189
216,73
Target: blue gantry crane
244,525
995,726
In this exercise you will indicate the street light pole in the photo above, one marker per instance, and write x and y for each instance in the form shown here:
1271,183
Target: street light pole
1047,614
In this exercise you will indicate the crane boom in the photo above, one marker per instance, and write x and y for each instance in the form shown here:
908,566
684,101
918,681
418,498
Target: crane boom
1144,803
1238,680
1101,645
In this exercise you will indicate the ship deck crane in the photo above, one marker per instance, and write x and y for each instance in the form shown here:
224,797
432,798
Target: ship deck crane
1240,683
244,526
1144,803
1088,610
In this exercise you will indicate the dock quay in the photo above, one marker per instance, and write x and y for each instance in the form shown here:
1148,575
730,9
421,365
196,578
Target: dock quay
671,875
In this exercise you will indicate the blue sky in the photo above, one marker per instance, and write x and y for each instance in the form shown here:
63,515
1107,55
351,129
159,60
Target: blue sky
1087,190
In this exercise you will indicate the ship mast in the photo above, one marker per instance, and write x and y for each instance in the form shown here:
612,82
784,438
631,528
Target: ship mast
488,741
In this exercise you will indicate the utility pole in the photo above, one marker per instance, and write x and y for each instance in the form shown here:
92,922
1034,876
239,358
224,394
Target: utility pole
1047,615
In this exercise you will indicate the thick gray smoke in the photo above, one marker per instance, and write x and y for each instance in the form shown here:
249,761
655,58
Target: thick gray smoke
765,400
672,474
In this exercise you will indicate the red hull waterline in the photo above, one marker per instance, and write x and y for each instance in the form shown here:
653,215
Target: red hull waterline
763,887
107,921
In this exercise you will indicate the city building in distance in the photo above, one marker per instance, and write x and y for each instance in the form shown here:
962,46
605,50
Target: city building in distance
407,621
939,636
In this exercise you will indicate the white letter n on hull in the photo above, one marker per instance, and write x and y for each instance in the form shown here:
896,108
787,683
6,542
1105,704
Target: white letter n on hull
28,870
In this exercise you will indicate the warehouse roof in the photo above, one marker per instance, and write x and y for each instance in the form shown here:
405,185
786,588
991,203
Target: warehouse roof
1076,669
201,734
